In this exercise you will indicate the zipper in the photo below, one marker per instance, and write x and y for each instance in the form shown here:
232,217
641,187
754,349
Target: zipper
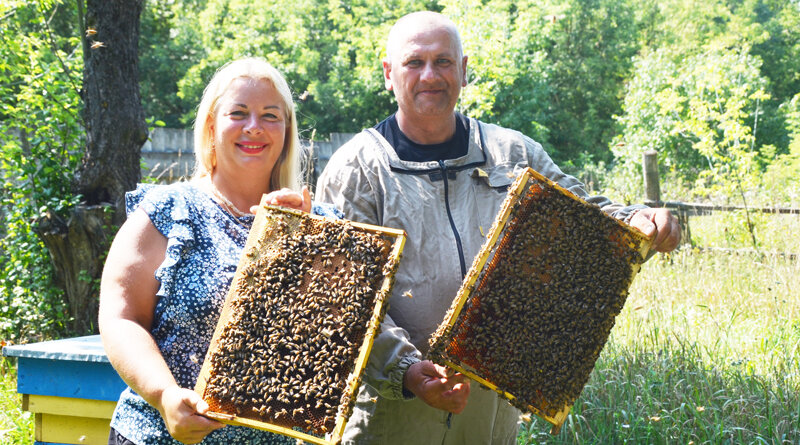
452,223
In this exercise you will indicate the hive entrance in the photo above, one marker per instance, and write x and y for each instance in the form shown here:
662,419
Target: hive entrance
298,323
539,302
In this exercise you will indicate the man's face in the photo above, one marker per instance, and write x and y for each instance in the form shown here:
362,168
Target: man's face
425,73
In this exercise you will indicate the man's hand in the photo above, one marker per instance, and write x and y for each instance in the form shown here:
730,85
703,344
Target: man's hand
661,223
436,387
183,410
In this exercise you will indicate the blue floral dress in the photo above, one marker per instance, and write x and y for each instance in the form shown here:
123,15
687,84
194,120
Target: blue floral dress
204,244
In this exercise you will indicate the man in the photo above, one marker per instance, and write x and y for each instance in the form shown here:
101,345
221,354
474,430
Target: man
441,177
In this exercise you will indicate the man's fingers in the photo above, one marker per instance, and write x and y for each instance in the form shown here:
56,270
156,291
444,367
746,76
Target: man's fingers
641,220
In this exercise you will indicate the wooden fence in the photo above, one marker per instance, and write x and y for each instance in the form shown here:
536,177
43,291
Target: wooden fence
684,210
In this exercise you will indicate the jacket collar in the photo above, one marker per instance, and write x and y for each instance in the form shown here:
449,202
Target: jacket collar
475,156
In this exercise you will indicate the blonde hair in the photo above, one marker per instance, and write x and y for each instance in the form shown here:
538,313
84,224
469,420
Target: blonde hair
286,172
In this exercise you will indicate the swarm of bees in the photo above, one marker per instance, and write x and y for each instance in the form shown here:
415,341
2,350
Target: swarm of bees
305,300
538,305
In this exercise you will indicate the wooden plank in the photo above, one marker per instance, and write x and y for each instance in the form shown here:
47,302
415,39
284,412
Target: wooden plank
67,406
72,430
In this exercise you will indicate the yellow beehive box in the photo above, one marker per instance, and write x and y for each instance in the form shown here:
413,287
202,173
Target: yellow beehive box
537,305
297,325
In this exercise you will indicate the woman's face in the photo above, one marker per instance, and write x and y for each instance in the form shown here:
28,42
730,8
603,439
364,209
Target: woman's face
249,129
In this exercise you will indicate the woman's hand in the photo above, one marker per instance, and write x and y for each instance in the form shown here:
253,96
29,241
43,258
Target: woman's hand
289,198
183,410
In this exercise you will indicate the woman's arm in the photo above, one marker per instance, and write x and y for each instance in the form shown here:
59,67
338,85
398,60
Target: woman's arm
127,305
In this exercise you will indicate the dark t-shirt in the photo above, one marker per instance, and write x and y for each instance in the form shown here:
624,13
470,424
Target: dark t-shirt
408,150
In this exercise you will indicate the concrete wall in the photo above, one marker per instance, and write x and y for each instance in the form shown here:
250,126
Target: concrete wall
168,155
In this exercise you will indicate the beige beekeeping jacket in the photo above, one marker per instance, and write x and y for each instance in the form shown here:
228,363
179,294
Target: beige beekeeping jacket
446,209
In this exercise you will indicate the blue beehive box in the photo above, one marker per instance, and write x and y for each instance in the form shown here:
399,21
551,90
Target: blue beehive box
70,387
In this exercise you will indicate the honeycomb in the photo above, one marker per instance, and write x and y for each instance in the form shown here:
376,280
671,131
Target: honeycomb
538,304
298,322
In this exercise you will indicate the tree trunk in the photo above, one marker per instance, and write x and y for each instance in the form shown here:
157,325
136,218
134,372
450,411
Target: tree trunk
115,124
78,248
116,131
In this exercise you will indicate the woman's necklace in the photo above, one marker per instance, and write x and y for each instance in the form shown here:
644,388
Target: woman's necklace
232,209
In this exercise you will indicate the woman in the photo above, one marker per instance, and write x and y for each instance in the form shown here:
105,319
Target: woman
171,263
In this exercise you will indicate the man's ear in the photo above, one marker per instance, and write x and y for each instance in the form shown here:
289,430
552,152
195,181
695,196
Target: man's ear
387,71
464,71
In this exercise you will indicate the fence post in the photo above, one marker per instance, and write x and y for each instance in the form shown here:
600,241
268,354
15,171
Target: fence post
652,189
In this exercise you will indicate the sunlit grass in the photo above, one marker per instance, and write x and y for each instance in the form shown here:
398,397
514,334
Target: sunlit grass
773,233
16,426
706,350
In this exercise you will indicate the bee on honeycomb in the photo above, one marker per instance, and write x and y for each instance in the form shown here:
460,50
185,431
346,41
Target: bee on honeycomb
538,305
294,322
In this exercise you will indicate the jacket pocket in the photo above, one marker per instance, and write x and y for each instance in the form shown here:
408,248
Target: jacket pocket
490,186
496,177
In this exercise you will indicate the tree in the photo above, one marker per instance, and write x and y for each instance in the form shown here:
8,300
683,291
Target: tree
115,131
696,110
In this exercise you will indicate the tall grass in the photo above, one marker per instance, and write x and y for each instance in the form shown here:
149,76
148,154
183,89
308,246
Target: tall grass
706,350
16,426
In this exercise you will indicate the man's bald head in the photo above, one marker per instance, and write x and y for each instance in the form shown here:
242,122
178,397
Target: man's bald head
426,69
420,21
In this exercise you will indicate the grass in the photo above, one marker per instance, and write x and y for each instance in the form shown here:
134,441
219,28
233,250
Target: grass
706,350
16,426
774,233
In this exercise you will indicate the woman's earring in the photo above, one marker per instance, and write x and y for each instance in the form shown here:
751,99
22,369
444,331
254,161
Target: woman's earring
213,156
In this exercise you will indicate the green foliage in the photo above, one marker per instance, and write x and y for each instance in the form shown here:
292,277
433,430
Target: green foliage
330,53
589,51
556,71
164,57
780,181
553,71
40,142
694,110
505,57
701,95
16,426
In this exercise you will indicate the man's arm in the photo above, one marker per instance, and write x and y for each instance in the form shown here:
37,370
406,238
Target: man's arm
656,222
395,368
345,184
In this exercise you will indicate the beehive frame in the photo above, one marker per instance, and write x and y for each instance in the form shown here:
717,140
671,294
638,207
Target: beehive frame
448,349
269,224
